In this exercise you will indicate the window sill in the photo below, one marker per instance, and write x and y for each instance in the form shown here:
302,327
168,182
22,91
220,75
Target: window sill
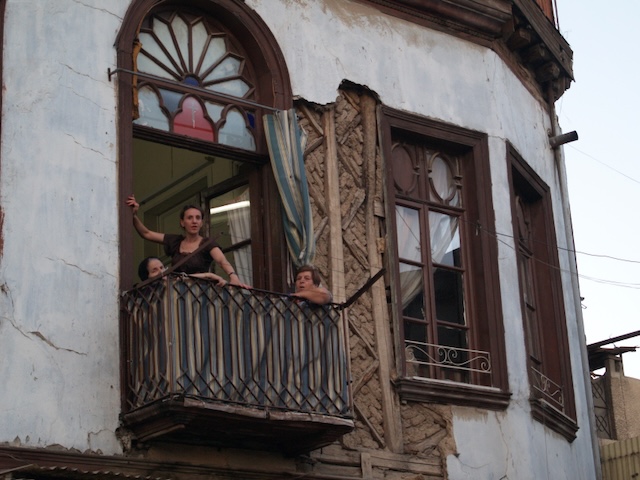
551,417
436,391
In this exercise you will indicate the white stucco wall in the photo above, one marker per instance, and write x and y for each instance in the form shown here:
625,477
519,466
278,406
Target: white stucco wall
460,83
59,193
59,363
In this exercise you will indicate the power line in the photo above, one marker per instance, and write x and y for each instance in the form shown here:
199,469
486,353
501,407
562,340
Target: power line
605,164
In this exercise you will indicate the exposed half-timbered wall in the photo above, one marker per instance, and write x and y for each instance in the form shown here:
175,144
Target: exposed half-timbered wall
345,173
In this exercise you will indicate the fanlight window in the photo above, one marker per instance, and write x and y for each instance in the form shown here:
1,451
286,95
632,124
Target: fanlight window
194,82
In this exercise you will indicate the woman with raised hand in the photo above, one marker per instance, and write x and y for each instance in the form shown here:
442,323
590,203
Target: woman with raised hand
180,246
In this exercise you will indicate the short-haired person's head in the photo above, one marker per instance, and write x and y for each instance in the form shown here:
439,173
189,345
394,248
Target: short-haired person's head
315,275
150,267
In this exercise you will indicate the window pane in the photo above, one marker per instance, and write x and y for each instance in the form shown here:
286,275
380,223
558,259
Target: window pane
237,87
215,51
171,99
416,332
449,296
191,121
453,337
229,67
199,36
151,115
408,225
445,239
163,33
442,179
235,133
230,221
412,290
213,110
151,47
181,31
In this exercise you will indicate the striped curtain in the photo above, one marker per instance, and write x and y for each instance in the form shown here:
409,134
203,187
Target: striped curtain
286,142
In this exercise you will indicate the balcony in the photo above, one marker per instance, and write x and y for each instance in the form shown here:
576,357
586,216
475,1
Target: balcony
234,368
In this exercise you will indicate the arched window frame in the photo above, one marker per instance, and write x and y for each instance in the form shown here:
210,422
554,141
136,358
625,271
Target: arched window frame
272,91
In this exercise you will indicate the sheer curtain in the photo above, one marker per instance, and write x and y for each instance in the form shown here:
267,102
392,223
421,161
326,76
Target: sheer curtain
239,230
443,232
409,248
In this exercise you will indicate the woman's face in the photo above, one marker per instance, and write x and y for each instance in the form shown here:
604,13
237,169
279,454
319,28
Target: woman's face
155,267
191,221
304,281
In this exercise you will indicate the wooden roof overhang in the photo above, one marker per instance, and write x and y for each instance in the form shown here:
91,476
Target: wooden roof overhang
61,464
518,30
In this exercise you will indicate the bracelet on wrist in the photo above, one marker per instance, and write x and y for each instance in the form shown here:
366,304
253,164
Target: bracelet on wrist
232,273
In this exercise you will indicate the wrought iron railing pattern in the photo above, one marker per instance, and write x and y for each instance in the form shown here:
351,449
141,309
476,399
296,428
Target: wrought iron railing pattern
449,358
546,389
601,406
185,336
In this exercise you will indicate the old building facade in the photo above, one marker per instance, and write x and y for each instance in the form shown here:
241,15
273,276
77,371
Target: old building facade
429,190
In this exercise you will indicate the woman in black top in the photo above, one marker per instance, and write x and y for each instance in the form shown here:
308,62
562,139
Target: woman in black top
180,246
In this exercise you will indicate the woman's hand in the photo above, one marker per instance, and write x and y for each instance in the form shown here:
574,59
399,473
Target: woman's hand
217,279
131,202
234,279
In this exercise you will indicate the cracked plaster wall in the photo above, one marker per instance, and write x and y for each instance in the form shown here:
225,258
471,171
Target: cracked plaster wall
59,270
464,84
59,363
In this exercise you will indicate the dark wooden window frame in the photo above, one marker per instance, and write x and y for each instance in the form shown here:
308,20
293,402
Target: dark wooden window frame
552,324
485,303
273,90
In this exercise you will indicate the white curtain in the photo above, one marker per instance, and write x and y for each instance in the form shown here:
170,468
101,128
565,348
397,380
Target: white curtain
443,230
240,229
409,248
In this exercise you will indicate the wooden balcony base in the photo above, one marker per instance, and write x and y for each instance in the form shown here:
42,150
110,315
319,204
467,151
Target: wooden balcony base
193,421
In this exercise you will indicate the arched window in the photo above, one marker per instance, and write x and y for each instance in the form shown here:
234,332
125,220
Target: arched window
194,80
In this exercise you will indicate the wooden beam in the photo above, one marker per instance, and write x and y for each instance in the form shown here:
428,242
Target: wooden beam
536,54
332,206
520,38
548,71
391,416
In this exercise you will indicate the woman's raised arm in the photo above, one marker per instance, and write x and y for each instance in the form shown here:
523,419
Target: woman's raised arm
140,227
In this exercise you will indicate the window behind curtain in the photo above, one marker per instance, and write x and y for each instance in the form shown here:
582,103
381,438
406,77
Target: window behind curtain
430,223
446,293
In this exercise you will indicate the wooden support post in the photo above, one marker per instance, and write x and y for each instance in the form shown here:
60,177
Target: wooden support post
332,196
379,310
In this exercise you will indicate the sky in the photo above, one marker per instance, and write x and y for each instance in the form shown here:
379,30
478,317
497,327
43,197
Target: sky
603,165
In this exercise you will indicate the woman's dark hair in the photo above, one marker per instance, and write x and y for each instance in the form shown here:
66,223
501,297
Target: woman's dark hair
143,271
189,207
315,276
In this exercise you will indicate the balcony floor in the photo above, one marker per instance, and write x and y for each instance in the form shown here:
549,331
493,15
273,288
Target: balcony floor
193,421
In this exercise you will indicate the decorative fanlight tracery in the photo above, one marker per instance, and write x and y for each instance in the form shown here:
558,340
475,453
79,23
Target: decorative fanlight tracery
196,82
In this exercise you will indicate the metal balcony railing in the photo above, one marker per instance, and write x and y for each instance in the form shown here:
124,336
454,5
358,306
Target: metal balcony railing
546,389
185,337
453,363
